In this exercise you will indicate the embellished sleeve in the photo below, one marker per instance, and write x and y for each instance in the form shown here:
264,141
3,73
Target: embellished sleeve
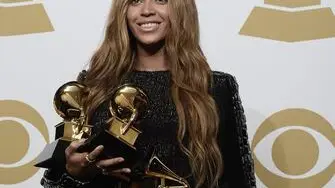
233,136
237,122
53,178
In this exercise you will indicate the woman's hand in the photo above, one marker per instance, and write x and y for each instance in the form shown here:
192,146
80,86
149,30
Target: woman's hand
107,167
84,165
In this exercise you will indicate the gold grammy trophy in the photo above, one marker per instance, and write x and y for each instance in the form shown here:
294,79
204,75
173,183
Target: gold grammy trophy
68,103
163,176
126,106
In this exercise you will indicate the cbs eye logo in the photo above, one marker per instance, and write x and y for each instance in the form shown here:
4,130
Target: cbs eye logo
16,145
18,17
294,148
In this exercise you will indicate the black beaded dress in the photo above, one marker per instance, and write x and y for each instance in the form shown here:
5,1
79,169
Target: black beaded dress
159,134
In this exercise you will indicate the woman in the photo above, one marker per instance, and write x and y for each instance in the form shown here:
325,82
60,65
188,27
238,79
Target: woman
195,122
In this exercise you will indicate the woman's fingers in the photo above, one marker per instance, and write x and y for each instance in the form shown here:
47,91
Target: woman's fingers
109,162
91,157
121,176
81,164
72,148
120,171
107,168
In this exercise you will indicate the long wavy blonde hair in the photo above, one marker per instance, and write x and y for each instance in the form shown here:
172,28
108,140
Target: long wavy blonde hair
190,75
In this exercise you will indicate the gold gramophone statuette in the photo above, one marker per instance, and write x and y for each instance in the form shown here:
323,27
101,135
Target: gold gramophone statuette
156,169
68,103
127,104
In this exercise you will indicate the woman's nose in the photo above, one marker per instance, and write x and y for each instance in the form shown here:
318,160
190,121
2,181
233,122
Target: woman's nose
148,8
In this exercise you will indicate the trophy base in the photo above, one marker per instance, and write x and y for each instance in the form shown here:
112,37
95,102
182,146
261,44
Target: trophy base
53,155
113,147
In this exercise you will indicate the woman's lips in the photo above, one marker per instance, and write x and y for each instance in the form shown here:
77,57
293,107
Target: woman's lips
149,26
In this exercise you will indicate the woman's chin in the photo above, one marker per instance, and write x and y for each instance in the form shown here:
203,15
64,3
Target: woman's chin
149,42
151,45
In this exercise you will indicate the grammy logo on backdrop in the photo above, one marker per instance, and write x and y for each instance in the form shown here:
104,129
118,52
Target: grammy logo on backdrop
18,17
290,21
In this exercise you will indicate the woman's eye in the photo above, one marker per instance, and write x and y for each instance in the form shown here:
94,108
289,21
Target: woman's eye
162,1
135,2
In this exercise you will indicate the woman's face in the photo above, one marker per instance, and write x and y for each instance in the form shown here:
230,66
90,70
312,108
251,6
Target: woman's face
148,20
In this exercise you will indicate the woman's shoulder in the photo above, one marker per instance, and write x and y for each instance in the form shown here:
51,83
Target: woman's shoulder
224,81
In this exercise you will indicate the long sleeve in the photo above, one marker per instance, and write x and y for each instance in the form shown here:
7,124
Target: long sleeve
236,120
233,136
53,178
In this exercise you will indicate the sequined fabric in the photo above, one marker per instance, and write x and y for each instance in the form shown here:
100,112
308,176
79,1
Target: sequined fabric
159,127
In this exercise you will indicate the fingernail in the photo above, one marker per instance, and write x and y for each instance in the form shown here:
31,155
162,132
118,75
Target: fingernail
127,170
121,159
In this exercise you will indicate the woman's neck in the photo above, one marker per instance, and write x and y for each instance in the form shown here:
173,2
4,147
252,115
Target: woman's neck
151,58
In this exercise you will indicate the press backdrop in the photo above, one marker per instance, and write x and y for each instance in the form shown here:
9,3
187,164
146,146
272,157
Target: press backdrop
281,52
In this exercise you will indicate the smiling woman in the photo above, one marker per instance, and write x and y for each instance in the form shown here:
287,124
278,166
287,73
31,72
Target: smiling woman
193,133
148,22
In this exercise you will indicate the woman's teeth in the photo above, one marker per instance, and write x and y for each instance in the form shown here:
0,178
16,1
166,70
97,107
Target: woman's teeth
149,26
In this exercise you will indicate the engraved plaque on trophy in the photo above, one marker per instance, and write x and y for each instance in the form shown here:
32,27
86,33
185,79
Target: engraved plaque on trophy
126,106
68,103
